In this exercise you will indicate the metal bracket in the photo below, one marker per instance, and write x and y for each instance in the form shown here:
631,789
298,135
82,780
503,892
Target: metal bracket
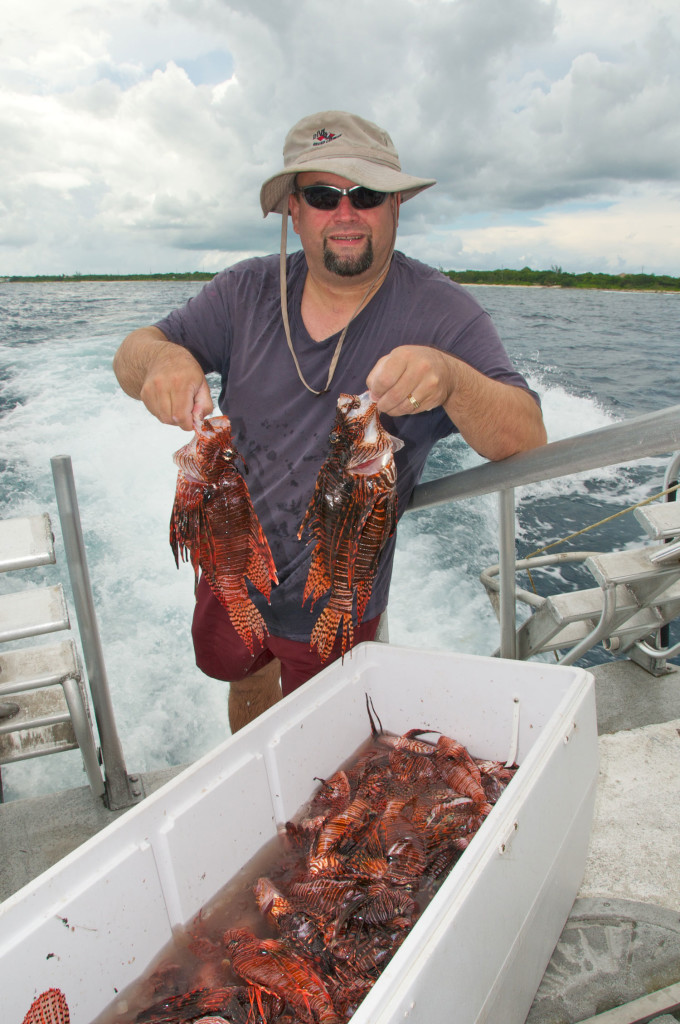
123,791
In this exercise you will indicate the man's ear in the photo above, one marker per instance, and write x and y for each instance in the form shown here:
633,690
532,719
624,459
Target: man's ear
294,209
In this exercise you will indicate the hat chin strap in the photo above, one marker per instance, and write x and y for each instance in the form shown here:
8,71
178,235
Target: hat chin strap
284,301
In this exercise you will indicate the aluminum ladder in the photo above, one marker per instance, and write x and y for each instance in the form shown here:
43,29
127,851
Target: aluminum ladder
44,707
47,696
637,594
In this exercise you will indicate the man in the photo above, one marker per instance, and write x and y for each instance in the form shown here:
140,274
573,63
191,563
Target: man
287,336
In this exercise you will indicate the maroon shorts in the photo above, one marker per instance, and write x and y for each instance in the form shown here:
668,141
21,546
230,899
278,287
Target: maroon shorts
222,654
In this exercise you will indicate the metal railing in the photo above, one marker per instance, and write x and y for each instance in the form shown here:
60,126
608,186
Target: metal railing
657,433
122,790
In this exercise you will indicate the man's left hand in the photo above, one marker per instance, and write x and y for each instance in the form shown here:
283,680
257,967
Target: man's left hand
496,419
411,379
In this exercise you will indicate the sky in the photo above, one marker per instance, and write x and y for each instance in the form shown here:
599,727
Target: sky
135,136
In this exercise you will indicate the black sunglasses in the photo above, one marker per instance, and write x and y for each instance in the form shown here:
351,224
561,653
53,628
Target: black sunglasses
327,197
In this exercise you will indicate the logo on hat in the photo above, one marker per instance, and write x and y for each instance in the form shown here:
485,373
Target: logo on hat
322,136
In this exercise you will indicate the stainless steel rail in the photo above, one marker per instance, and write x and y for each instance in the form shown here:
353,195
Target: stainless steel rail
122,790
657,433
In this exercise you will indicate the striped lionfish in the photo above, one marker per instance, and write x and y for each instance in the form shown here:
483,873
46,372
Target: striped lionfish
213,519
351,516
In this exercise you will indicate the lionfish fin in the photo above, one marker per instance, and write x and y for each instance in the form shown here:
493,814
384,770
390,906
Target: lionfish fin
317,582
247,621
261,570
49,1008
376,730
363,594
326,629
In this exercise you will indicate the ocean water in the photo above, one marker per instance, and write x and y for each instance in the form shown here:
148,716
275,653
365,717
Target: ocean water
594,357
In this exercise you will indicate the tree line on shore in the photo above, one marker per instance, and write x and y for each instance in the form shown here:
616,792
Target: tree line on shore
557,278
553,278
195,275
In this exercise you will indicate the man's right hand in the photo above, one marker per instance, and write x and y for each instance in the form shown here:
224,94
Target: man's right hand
164,376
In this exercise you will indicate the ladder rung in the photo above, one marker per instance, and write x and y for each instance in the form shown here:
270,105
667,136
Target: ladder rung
531,640
32,612
43,665
42,726
22,746
38,709
26,542
630,567
661,521
668,554
578,605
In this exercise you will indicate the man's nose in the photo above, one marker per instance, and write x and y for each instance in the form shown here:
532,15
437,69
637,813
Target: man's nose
346,206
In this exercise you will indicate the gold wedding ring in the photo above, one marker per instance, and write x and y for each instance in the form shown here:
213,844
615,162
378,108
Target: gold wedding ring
414,403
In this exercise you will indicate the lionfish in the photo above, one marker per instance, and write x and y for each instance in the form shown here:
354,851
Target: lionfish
213,522
351,516
50,1007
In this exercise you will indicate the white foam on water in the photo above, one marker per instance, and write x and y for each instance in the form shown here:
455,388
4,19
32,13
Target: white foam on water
436,600
567,415
167,711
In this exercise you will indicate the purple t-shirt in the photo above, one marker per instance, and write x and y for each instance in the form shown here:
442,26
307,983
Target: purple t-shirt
234,328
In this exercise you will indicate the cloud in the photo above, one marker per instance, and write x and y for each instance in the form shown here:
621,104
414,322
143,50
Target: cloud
136,137
600,237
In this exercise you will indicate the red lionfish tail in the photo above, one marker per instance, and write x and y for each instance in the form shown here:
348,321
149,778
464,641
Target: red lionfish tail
318,581
363,594
247,621
49,1008
261,568
326,629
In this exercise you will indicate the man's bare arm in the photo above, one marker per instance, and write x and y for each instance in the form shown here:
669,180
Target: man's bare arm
496,419
164,376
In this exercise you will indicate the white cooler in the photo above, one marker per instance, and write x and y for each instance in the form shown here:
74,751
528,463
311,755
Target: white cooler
92,924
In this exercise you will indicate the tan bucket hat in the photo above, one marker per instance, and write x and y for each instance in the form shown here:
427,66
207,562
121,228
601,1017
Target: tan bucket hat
342,144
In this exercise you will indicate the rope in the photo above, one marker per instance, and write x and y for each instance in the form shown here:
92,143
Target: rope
607,519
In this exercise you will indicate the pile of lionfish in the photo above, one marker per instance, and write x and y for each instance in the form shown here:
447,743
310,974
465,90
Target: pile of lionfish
360,865
350,517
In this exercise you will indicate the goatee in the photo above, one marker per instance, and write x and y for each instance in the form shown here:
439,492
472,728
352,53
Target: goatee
348,266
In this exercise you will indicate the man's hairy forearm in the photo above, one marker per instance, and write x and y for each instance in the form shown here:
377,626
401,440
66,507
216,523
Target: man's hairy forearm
135,356
496,419
164,376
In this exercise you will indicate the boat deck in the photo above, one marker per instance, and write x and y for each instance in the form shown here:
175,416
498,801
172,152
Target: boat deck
622,938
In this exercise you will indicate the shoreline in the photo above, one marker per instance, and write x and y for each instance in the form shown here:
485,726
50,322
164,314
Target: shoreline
632,283
198,275
566,288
